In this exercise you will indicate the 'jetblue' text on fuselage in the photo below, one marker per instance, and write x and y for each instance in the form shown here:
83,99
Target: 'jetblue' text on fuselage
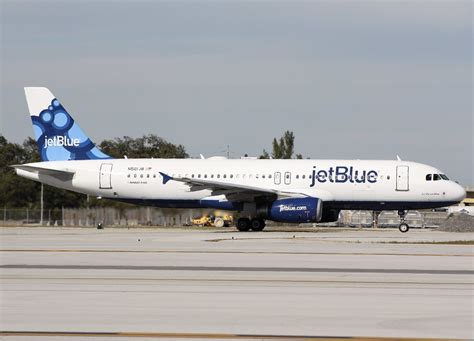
342,174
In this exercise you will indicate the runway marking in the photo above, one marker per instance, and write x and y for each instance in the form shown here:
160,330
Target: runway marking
231,280
240,252
234,269
351,241
212,336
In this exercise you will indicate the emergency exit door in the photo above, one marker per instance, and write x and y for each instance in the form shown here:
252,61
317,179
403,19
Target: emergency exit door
277,178
403,177
105,176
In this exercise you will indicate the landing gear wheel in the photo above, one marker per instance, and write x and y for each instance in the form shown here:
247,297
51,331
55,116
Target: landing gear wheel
257,224
243,224
403,227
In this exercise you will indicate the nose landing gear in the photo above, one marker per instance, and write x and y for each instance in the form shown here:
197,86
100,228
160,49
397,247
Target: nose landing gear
403,227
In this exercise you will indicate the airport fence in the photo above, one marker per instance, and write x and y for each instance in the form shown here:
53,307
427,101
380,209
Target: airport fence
142,216
150,216
421,219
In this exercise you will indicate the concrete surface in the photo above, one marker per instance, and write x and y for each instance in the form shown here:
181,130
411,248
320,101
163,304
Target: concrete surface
223,284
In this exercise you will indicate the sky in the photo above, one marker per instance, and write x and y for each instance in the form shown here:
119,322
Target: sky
351,79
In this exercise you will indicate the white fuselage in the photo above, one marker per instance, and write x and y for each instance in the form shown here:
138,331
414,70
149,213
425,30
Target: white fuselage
344,184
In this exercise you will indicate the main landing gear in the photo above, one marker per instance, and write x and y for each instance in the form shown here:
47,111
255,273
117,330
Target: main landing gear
246,224
403,227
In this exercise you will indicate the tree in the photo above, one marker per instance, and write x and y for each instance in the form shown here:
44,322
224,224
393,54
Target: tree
147,146
282,148
16,191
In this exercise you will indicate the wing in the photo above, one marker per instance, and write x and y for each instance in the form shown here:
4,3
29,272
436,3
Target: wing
233,192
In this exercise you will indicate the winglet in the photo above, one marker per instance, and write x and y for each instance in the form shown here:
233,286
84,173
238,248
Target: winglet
166,178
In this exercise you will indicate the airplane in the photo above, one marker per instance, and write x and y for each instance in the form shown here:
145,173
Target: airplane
290,191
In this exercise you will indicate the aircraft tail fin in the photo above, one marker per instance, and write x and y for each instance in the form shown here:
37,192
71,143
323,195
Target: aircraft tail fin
58,136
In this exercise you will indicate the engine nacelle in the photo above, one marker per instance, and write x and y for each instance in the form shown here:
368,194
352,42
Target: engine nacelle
293,210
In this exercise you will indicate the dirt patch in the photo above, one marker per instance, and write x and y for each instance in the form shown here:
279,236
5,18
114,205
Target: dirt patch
460,222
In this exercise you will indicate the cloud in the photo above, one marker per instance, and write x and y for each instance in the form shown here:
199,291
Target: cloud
352,79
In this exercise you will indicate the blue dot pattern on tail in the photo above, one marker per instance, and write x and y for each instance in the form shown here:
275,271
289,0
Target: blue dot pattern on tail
59,138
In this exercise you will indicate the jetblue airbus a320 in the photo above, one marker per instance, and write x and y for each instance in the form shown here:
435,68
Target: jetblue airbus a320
295,191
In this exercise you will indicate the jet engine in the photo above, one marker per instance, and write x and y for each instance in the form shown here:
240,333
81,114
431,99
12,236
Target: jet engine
292,210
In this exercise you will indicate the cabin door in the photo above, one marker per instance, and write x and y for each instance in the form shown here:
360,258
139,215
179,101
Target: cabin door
105,176
402,178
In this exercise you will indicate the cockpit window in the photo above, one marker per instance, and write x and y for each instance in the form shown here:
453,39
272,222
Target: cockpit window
436,177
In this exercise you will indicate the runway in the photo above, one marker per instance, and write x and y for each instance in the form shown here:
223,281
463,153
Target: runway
176,283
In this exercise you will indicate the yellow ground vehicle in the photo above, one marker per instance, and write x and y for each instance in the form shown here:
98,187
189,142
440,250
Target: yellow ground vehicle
211,220
205,220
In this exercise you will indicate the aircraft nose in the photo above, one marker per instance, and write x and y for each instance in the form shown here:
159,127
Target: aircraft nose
458,192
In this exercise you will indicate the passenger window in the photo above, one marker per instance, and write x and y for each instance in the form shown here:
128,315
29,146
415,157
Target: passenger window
270,176
231,176
263,176
212,176
128,175
148,175
428,177
218,176
205,176
303,176
297,176
224,176
192,175
154,175
134,175
436,177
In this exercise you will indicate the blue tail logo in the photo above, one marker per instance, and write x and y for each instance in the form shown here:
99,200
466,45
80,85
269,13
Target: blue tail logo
58,137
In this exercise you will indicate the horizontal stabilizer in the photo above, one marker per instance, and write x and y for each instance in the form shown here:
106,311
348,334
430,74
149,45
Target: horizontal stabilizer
61,174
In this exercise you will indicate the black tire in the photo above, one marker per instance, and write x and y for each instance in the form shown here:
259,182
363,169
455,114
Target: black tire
257,224
243,224
403,227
